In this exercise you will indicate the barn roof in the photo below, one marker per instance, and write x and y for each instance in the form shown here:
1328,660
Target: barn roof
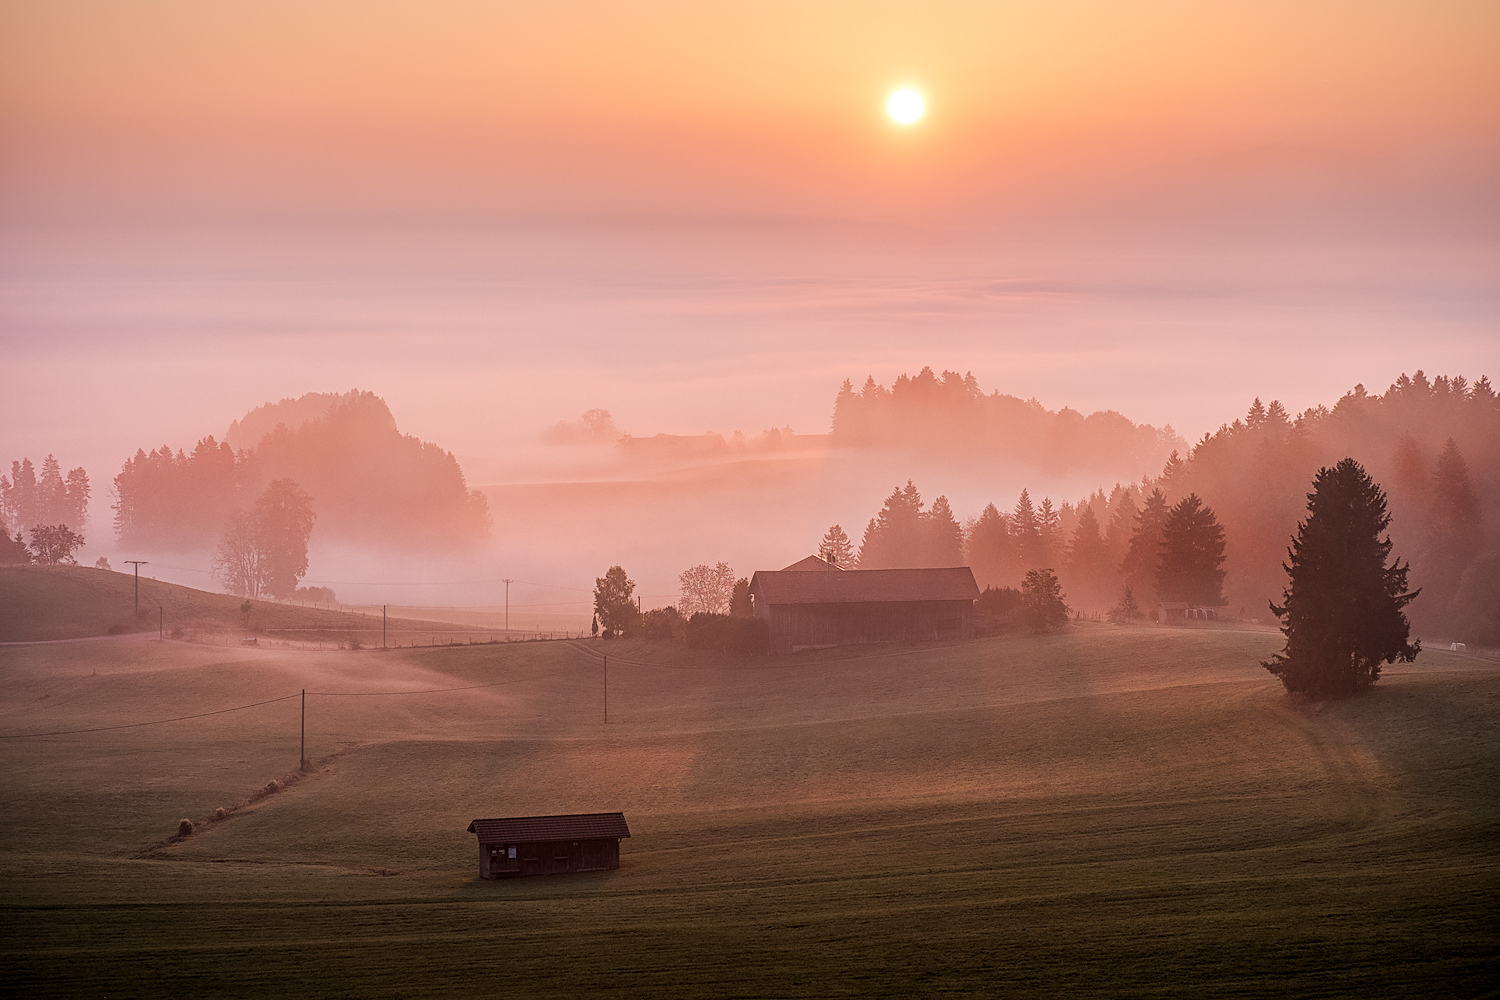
812,564
530,829
862,586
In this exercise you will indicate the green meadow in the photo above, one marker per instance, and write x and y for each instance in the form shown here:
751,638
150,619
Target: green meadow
1112,812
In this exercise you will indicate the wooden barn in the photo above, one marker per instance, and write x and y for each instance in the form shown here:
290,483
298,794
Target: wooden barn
810,608
549,845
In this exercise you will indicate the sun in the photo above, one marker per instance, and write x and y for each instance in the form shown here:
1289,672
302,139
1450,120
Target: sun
905,106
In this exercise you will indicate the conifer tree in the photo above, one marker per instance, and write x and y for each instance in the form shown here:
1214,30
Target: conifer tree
944,537
1049,530
895,537
1027,533
1090,572
1342,608
990,550
1122,512
835,548
1144,555
1192,555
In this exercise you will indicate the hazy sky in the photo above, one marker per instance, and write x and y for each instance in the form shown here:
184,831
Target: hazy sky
698,216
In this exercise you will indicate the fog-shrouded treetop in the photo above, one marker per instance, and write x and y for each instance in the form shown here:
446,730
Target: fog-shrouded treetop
950,415
370,483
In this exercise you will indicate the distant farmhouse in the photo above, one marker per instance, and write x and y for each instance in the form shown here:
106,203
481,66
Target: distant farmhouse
813,604
549,845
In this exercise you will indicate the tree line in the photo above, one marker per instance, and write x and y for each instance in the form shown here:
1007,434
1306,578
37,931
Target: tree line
1434,442
949,414
372,483
1152,552
714,612
49,507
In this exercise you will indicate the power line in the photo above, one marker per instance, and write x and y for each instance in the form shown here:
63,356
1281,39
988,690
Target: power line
158,722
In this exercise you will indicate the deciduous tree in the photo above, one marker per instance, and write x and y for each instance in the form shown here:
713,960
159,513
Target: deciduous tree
55,543
1342,608
616,611
284,519
706,588
1042,595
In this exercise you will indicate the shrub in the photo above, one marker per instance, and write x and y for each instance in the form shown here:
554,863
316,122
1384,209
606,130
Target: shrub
998,610
728,634
185,828
664,623
221,813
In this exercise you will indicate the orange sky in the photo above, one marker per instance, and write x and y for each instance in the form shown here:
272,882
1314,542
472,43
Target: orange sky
686,107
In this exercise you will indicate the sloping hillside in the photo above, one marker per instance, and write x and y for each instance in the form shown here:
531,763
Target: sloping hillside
69,602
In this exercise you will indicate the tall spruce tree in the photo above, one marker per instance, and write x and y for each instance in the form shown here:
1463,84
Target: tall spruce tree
1144,555
1192,555
990,550
1342,608
1090,571
836,548
944,536
1027,533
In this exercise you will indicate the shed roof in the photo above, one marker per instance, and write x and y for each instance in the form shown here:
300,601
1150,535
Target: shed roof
530,829
812,564
862,586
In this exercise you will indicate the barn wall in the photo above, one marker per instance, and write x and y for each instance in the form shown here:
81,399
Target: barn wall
798,625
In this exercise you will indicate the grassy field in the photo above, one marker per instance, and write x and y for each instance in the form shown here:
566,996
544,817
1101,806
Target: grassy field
1109,812
46,603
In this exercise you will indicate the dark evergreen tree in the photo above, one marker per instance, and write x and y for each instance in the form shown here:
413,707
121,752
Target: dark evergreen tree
944,537
990,550
1027,532
1192,555
1052,542
1091,576
1144,555
1042,597
1342,608
896,538
740,605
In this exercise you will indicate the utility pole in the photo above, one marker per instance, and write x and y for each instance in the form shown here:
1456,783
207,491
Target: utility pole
507,603
137,563
161,623
606,689
382,626
303,765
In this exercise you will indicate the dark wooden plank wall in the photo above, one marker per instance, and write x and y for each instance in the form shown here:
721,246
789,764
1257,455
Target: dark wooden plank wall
548,858
798,625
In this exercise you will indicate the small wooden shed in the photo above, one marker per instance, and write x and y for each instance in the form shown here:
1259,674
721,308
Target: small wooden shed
549,845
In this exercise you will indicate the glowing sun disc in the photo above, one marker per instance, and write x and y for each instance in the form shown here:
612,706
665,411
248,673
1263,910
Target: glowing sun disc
906,106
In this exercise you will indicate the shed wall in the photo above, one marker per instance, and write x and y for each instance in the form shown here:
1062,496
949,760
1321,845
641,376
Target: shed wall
548,858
